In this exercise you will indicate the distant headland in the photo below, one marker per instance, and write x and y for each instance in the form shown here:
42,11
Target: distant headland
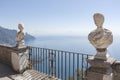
8,36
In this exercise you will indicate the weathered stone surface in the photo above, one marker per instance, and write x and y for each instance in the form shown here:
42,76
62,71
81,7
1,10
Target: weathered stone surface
116,70
6,70
20,37
101,63
100,69
14,57
5,78
29,75
99,76
100,38
20,60
35,75
5,54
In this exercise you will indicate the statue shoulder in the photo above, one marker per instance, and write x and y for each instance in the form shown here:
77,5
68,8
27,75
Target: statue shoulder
93,33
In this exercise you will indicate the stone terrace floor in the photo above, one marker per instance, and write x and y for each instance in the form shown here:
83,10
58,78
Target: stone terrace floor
6,73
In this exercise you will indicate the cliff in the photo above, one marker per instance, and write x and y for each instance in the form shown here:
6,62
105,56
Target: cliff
8,36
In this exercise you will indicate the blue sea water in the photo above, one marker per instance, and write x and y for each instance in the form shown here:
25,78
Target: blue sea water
75,44
78,44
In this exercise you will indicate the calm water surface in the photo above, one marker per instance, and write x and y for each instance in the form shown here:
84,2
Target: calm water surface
76,44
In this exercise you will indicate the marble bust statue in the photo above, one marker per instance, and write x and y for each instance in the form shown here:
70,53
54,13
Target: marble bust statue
100,38
20,36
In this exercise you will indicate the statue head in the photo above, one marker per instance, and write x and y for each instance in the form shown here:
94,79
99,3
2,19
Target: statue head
20,27
98,19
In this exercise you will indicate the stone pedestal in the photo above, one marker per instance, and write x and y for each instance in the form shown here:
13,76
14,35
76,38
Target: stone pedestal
20,59
101,54
99,76
100,69
101,63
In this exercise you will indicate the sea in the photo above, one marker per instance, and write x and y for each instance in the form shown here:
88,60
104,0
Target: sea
78,44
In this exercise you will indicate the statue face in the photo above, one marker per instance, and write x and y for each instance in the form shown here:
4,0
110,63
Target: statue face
98,19
20,27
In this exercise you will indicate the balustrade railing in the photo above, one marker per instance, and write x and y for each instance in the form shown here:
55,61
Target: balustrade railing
61,64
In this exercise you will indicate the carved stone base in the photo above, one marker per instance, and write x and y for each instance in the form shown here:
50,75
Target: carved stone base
100,63
101,54
91,75
19,59
20,47
100,69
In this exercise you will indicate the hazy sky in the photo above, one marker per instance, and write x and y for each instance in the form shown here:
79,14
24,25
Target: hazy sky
59,17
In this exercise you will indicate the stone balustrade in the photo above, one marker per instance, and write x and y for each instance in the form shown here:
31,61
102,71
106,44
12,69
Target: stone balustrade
17,58
116,70
5,54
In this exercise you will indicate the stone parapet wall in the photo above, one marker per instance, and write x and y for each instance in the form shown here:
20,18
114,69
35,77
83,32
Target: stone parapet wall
5,54
17,58
116,70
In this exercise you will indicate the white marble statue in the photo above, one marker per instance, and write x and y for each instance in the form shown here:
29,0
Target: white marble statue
100,38
20,36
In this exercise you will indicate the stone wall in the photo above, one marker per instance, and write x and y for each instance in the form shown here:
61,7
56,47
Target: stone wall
5,54
116,70
17,58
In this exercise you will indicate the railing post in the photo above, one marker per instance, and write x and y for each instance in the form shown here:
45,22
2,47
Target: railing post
52,62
